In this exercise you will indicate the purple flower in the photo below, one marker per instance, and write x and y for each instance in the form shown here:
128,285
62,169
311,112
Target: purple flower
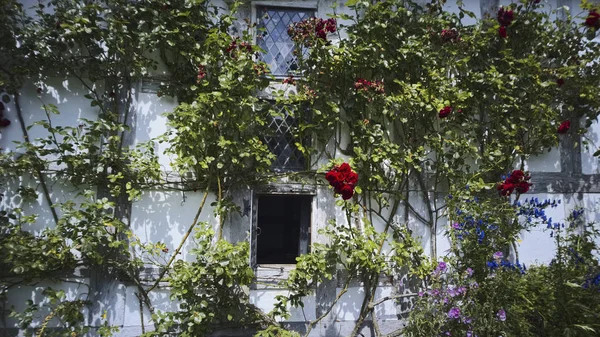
474,285
452,292
470,271
441,267
469,333
467,320
501,315
456,225
434,292
498,255
461,290
454,313
420,294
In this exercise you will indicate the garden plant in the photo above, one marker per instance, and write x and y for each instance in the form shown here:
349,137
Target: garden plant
413,116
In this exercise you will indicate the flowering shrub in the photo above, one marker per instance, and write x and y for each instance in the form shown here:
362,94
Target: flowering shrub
515,92
480,292
363,85
307,31
234,49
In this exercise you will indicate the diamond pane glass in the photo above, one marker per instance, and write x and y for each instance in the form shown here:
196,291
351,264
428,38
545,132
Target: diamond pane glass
274,39
282,143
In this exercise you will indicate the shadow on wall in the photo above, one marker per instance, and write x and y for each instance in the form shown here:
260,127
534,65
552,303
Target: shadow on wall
165,216
74,289
66,93
151,123
589,163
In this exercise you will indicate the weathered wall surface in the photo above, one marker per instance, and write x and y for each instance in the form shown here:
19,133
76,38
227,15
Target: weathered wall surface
568,173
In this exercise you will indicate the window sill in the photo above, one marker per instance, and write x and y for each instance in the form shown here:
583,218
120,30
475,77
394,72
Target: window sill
270,276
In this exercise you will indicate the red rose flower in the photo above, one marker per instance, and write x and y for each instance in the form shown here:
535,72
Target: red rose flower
593,19
450,35
331,176
340,177
505,188
502,32
337,187
347,192
505,17
523,187
345,168
445,111
564,127
352,178
343,180
517,180
331,25
290,80
516,176
560,82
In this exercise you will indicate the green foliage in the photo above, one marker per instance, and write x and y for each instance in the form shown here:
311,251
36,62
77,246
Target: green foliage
481,294
218,135
67,312
275,331
211,290
384,86
47,254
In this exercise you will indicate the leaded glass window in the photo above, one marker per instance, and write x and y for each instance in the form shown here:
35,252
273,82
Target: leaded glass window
282,142
273,38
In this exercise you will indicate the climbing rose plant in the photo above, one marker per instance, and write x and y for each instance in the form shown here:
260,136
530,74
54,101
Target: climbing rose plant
425,105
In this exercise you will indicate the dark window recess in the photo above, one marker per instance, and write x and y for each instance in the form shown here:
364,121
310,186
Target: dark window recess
282,143
273,38
283,228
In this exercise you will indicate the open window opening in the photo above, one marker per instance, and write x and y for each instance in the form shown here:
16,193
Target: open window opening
282,228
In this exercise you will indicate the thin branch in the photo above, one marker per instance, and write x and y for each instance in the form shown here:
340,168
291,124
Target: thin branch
220,200
387,298
37,169
311,324
141,312
187,234
431,222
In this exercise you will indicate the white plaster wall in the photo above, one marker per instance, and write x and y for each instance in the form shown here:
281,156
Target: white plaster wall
151,123
266,300
131,315
547,162
536,246
348,307
165,216
589,163
74,288
66,93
